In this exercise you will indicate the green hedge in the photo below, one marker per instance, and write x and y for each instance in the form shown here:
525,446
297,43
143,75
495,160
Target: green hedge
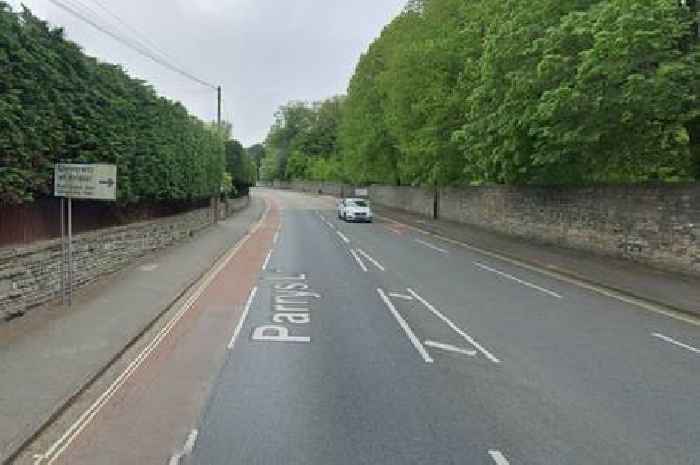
57,104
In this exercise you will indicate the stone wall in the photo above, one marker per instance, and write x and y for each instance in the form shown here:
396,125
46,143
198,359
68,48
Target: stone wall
412,199
31,275
316,187
655,225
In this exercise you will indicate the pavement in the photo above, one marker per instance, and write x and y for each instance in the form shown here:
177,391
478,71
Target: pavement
50,355
321,342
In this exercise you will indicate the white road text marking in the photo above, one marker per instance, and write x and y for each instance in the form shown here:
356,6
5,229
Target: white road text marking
407,329
358,260
431,246
498,457
517,280
450,348
372,260
248,304
673,341
454,327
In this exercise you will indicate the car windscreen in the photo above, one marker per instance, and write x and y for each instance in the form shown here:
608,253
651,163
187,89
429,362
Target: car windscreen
358,203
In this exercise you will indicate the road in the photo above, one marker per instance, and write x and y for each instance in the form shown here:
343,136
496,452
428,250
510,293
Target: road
375,344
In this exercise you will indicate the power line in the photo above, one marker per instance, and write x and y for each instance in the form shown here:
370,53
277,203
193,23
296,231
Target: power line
144,38
140,48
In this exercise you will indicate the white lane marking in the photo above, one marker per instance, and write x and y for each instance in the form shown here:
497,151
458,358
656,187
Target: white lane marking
267,260
343,237
637,302
276,238
498,457
239,326
450,348
407,329
148,268
400,296
372,260
431,246
186,450
358,260
60,446
517,280
673,341
454,327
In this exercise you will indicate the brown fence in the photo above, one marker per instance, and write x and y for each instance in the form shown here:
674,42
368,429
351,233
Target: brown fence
39,220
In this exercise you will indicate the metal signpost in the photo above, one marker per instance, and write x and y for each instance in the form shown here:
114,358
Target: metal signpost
71,181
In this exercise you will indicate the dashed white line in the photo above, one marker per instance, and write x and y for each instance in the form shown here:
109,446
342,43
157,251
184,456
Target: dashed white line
267,260
677,343
407,329
498,457
450,348
276,238
518,280
372,260
343,237
359,260
186,450
431,246
454,327
239,326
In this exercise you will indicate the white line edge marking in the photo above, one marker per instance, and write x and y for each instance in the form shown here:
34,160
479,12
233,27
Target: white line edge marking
343,237
675,342
239,326
431,246
498,457
359,260
449,348
187,449
267,260
517,280
372,260
454,327
639,303
58,447
407,329
191,441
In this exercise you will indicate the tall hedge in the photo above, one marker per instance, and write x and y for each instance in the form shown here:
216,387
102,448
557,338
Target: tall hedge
58,104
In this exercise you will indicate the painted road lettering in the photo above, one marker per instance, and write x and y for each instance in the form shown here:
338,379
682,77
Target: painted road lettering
292,301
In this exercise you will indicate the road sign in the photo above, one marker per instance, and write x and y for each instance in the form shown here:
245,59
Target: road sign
97,182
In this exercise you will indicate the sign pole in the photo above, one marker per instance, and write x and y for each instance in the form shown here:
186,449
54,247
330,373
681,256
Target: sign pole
63,251
70,251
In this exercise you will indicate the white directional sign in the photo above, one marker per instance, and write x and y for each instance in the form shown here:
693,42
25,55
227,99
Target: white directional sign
98,182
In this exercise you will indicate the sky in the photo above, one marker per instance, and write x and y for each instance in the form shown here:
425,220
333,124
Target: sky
263,53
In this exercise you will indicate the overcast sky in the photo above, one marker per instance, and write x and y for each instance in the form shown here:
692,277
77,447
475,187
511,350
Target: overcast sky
262,52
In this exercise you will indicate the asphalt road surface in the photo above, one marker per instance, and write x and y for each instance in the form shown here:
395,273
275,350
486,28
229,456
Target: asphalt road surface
373,344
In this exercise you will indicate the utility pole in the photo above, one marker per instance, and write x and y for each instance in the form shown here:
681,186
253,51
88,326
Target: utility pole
218,112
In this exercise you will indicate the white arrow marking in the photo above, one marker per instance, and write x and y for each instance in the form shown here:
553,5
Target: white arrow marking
450,348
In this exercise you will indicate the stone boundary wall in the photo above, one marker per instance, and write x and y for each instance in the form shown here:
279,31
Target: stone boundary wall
30,275
316,187
658,225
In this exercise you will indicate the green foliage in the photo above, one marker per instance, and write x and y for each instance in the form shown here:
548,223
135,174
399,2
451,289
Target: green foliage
544,91
240,167
57,104
303,140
